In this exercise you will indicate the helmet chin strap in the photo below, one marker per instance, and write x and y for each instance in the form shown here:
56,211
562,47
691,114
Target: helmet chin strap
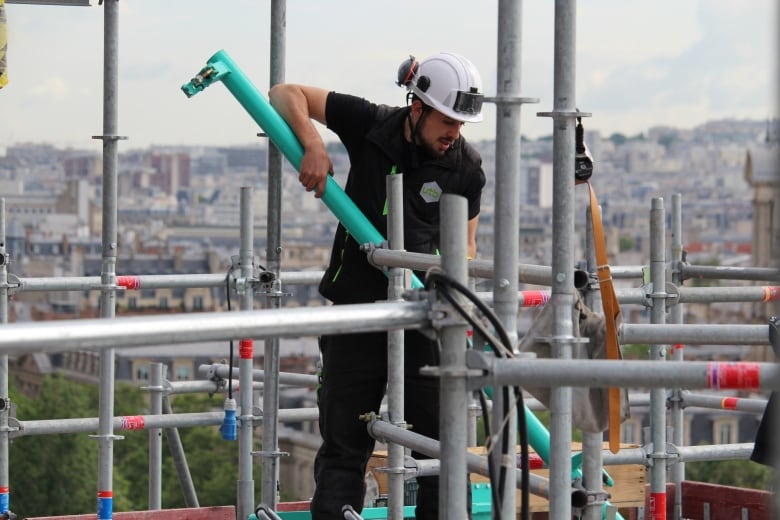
414,128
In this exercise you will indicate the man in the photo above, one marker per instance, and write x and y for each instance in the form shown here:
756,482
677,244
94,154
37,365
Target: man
421,140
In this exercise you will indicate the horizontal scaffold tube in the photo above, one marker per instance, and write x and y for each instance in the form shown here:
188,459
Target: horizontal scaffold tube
527,273
146,422
693,334
150,281
286,378
739,404
68,335
756,274
628,374
740,451
639,295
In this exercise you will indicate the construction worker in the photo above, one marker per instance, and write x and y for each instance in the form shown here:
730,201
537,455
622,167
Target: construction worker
423,141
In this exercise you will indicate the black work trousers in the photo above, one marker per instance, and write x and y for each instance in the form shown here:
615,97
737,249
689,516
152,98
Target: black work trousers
354,379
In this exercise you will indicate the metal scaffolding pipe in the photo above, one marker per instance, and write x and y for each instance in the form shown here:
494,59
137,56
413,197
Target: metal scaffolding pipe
727,294
714,375
592,465
5,493
738,404
68,335
180,460
658,309
270,453
529,274
155,436
640,296
395,349
693,334
740,451
756,274
506,218
564,116
105,434
287,378
526,273
246,484
146,281
144,422
453,395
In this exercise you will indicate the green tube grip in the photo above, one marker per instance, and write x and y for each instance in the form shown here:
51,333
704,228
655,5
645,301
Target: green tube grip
221,67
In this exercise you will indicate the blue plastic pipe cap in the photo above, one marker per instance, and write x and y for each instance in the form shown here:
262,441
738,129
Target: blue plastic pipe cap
228,428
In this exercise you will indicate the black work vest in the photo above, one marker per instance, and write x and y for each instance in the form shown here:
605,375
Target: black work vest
349,277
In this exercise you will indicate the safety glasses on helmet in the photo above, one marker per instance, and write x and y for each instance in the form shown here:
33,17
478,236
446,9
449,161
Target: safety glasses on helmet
468,102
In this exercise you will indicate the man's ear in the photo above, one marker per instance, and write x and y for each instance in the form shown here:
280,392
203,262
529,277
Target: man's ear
417,107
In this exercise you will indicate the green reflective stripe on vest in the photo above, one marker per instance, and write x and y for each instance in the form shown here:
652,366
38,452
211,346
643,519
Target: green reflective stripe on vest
341,257
392,172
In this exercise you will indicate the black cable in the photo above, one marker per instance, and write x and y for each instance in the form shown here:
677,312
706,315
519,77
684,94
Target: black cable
230,361
522,428
488,435
447,282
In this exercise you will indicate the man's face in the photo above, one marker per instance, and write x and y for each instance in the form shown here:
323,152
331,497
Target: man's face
437,132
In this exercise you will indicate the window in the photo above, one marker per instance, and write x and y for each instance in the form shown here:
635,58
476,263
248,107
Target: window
631,431
182,373
142,373
724,430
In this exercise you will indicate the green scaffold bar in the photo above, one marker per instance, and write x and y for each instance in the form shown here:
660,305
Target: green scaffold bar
220,67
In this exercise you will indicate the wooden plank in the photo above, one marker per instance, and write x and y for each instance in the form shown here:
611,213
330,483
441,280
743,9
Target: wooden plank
628,491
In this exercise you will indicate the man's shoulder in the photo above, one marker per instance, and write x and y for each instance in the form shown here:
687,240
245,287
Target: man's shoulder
341,101
350,111
469,153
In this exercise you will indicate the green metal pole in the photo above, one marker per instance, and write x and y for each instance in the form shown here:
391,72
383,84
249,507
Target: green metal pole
220,67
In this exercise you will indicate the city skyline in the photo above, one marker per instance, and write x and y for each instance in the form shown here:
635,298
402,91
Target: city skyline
639,64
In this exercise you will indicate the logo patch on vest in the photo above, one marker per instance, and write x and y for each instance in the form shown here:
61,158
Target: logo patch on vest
430,192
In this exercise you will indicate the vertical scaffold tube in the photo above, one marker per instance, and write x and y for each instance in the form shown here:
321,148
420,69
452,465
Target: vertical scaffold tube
658,354
506,223
246,484
155,437
453,394
395,351
270,453
5,490
676,316
105,434
562,295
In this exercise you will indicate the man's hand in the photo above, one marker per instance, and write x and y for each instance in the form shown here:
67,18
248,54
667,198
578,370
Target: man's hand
315,167
298,105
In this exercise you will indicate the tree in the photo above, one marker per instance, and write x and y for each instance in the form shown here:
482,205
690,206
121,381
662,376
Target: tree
738,473
54,474
618,139
57,474
212,461
626,243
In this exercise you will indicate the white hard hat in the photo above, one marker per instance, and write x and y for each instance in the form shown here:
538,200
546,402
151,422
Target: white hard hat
447,82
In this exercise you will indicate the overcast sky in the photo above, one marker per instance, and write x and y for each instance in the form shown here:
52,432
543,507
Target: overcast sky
639,63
